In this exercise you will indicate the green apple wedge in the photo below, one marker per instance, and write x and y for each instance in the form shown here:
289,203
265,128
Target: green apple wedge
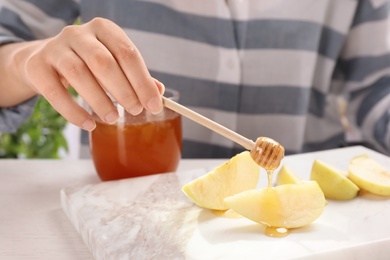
369,175
287,176
286,206
238,174
333,182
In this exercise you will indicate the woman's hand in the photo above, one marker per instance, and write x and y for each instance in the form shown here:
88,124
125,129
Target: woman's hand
93,58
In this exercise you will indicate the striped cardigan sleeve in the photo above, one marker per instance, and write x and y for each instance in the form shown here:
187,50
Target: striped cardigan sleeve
365,70
30,20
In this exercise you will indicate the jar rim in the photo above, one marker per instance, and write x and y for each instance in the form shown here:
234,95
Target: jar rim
172,94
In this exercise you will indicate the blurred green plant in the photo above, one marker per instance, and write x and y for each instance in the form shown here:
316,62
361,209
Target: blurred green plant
40,136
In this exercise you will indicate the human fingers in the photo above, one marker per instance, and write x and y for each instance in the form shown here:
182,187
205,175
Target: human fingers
77,74
132,65
160,86
104,68
45,81
53,64
64,60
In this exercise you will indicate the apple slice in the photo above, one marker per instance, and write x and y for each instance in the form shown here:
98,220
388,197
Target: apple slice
238,174
369,175
287,176
286,206
333,182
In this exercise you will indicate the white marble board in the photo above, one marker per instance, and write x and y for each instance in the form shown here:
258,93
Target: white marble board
150,218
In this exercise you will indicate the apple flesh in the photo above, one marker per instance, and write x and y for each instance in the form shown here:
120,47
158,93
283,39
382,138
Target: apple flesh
287,176
238,174
286,206
369,175
333,182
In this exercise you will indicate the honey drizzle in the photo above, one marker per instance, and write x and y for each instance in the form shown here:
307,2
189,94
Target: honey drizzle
270,174
274,231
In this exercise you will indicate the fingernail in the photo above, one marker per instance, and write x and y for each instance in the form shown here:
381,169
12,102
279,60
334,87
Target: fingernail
135,110
111,117
155,105
88,125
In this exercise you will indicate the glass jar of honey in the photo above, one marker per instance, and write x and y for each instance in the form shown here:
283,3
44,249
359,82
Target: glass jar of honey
137,145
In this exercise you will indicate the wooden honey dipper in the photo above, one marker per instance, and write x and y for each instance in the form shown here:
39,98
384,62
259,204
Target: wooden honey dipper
266,152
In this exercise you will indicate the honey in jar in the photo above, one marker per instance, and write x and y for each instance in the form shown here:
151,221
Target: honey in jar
136,145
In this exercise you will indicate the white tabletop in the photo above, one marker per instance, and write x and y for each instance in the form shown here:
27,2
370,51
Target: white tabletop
32,222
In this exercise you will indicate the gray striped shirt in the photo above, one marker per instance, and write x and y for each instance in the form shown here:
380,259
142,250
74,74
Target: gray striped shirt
285,69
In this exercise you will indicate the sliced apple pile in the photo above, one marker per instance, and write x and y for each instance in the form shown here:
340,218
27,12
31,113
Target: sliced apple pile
238,174
333,182
287,206
294,202
369,175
